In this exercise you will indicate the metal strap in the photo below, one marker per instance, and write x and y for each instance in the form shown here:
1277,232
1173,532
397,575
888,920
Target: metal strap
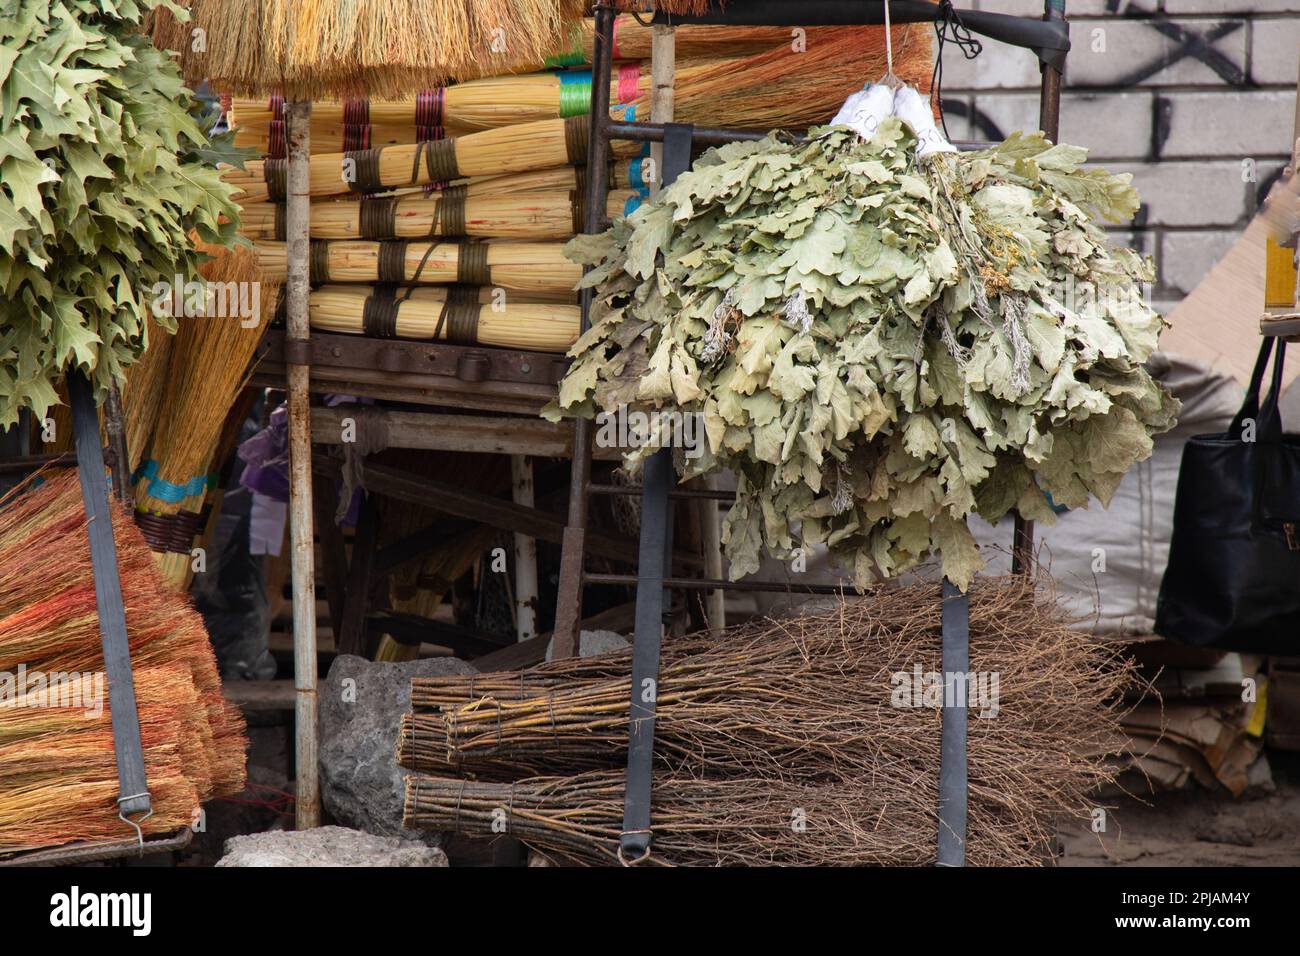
652,565
132,785
952,729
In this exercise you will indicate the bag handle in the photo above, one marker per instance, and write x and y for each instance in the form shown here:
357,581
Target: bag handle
1270,416
1250,404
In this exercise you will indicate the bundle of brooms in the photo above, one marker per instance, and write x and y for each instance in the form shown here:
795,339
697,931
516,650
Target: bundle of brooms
761,84
450,213
461,315
58,776
805,716
775,89
534,268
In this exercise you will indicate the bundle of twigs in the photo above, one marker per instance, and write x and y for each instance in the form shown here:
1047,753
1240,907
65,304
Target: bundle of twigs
719,822
322,48
58,777
451,213
536,268
807,702
461,315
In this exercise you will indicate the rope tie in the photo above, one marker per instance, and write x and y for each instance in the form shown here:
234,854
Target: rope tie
318,263
629,82
275,171
429,106
439,160
356,111
392,260
356,138
576,131
379,314
276,147
281,230
472,264
367,167
377,217
459,316
449,213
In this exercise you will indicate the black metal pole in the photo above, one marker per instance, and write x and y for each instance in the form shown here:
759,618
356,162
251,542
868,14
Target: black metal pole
134,791
568,605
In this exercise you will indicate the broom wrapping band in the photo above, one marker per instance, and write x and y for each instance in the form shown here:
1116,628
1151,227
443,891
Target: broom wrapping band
366,164
576,131
392,261
439,161
459,315
429,107
471,264
318,262
449,213
379,314
378,217
275,172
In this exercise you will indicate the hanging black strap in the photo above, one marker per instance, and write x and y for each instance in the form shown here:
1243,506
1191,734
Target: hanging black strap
652,565
952,728
133,797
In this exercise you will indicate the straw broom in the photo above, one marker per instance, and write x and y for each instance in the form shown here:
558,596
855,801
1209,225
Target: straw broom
512,323
530,267
632,41
48,616
210,364
58,772
319,48
142,394
58,777
539,215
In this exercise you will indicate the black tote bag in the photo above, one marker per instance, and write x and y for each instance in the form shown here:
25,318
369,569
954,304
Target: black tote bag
1233,578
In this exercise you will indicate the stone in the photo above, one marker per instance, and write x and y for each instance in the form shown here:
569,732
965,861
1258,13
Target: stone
328,846
592,643
361,707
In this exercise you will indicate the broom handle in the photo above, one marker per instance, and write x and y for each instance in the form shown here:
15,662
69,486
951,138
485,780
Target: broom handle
133,788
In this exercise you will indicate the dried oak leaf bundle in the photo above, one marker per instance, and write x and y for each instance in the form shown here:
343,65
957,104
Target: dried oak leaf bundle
104,178
879,346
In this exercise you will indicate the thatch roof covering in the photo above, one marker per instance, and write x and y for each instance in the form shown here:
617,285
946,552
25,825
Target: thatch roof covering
379,48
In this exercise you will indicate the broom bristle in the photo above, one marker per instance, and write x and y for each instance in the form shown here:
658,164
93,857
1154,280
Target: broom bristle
58,776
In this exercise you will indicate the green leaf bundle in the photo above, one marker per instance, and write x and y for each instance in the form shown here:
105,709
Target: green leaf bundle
880,347
103,182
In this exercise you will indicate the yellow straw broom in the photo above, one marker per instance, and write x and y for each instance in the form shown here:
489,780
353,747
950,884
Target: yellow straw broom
529,267
539,215
210,364
458,314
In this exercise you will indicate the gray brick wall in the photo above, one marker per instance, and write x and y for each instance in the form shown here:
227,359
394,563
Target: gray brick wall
1196,98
